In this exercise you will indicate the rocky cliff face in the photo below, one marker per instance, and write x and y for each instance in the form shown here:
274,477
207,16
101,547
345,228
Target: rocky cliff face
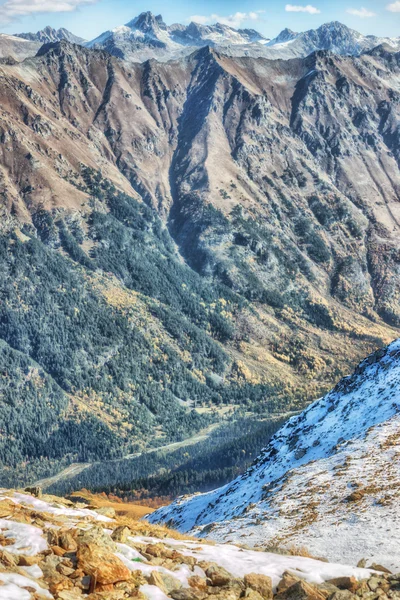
329,477
279,179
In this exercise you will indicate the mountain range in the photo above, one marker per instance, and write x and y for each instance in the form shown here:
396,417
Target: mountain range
147,36
329,479
212,235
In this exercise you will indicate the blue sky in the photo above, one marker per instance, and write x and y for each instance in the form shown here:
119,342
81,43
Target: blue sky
89,18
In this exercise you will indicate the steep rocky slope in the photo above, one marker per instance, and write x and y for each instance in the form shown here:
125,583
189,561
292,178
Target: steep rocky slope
329,478
51,549
16,49
276,182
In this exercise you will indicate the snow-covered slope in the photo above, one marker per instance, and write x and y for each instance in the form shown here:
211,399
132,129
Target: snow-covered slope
147,36
328,480
335,36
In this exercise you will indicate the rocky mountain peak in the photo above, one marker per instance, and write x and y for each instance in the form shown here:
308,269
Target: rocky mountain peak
49,34
286,35
147,23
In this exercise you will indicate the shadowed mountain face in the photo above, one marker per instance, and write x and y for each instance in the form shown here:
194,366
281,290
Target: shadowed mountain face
278,181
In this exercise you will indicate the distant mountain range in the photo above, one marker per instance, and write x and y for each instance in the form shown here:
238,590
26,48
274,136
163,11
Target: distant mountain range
328,479
49,35
148,36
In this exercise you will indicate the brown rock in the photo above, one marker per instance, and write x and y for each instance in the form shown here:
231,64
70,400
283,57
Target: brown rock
68,543
121,534
101,564
96,535
218,575
70,595
345,583
342,595
156,550
8,559
34,491
65,570
300,591
259,583
251,594
58,583
164,581
198,583
380,568
58,551
29,561
288,579
188,594
52,537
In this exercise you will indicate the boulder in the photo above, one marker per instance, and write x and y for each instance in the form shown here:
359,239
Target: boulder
301,590
67,542
101,564
288,579
259,583
251,594
342,595
345,583
96,535
164,581
34,491
218,575
58,583
198,583
121,534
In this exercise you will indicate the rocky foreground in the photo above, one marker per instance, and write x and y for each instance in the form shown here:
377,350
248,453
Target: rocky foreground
53,549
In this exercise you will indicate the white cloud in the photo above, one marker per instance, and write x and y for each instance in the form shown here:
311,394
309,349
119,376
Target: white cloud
364,13
311,10
234,20
394,7
12,9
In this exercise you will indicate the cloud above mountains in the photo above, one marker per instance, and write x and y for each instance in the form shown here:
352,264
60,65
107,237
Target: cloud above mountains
394,7
12,9
311,10
235,20
363,13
